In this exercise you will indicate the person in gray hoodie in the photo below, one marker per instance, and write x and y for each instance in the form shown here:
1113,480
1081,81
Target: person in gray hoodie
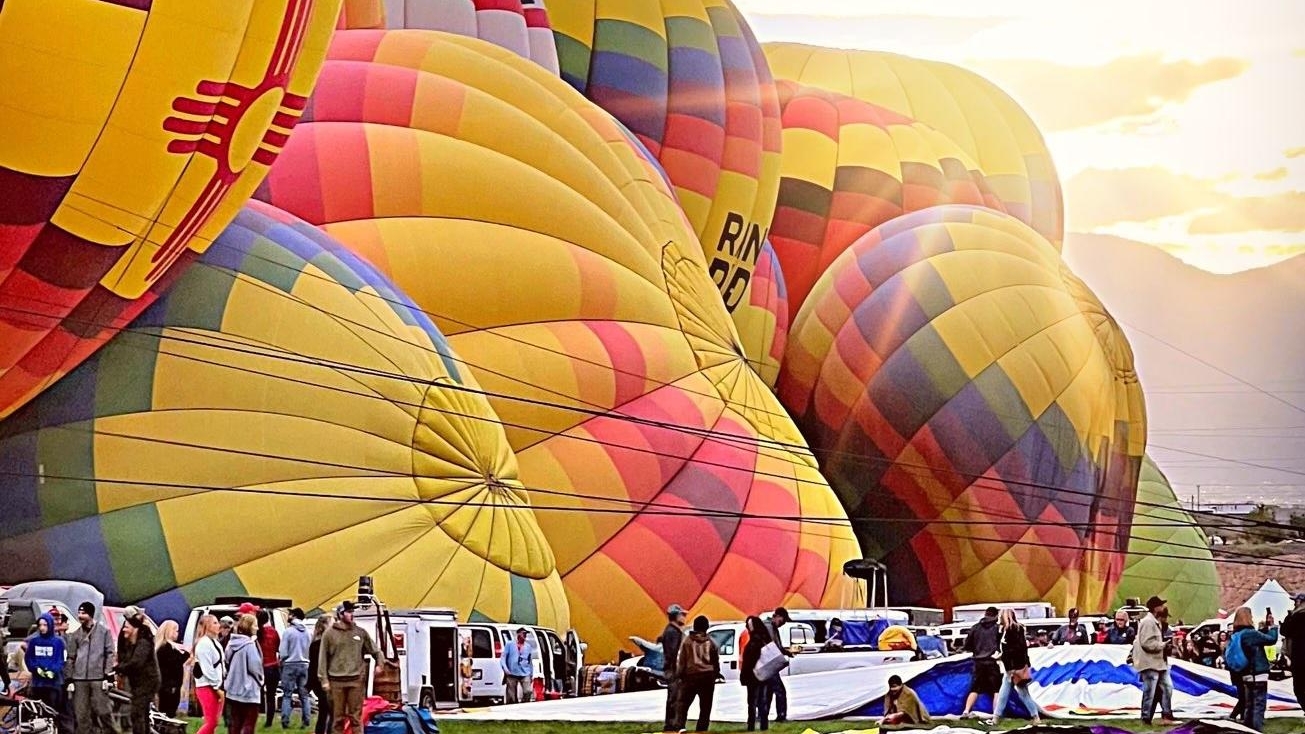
244,681
293,654
89,670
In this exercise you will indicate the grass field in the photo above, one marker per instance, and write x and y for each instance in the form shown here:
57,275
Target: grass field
1273,726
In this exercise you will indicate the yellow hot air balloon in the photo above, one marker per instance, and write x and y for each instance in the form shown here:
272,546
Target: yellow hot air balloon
131,134
989,126
550,250
282,422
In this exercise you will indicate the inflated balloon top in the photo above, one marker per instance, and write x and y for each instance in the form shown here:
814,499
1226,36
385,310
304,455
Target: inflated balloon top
690,81
992,129
284,407
520,26
540,239
132,134
976,406
850,166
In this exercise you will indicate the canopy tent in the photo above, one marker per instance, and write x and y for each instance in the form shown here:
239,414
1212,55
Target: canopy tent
1068,682
1271,596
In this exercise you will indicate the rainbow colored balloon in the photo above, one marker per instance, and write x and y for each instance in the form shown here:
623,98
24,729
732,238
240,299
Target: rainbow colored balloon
132,134
690,81
762,322
283,404
539,238
975,408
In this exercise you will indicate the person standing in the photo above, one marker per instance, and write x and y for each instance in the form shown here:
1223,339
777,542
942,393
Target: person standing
758,636
1015,658
209,673
671,639
1151,665
342,668
778,619
1255,676
1073,633
244,681
141,670
293,657
269,644
44,658
89,669
314,682
1293,629
1121,632
172,659
696,668
518,662
983,642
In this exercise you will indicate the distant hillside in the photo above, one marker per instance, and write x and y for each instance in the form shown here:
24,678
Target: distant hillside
1251,324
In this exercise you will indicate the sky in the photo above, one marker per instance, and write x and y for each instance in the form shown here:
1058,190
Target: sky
1178,123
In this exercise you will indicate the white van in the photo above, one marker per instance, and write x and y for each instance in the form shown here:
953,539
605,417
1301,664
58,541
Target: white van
426,644
480,671
964,617
228,606
809,658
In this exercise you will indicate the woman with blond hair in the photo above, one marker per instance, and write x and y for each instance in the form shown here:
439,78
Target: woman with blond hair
1015,659
172,658
1255,675
209,672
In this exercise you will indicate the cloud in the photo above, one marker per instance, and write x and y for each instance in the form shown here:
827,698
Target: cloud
876,31
1097,197
1283,212
1276,174
1063,97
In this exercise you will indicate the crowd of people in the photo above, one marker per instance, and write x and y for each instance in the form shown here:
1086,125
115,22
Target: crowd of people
238,664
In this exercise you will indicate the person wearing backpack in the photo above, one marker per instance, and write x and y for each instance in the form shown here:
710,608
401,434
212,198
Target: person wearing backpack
1246,657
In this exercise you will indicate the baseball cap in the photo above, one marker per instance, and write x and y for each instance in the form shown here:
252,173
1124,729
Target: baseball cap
1300,597
248,608
347,606
675,609
1154,602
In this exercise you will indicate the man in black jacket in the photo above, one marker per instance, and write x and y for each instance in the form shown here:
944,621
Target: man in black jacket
983,642
1293,629
671,638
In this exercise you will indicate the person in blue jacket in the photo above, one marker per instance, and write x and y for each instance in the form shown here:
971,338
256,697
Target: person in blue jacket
1255,679
44,658
519,668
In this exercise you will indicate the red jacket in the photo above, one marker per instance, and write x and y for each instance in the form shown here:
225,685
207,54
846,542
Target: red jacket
269,642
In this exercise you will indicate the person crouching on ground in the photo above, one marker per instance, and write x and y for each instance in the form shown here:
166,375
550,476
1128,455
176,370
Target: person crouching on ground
983,642
902,706
697,668
141,669
343,668
1015,658
518,663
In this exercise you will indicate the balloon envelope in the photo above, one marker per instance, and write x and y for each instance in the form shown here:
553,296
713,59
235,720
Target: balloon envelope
283,422
763,321
520,216
976,409
132,134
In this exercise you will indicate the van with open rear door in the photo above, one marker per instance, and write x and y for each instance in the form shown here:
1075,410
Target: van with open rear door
557,669
423,644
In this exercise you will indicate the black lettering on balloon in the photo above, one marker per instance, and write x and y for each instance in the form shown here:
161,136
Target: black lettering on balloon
738,286
730,234
720,271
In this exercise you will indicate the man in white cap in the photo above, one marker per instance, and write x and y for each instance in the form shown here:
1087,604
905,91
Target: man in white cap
671,638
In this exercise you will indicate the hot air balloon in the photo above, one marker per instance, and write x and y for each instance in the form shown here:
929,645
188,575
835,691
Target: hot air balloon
520,26
539,239
762,322
1169,554
977,408
283,408
993,131
132,134
690,81
850,166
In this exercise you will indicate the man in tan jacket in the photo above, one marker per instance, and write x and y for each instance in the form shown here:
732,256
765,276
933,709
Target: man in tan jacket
342,667
697,668
1151,665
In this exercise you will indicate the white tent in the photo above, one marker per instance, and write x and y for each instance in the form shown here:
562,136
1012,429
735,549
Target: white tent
1271,596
